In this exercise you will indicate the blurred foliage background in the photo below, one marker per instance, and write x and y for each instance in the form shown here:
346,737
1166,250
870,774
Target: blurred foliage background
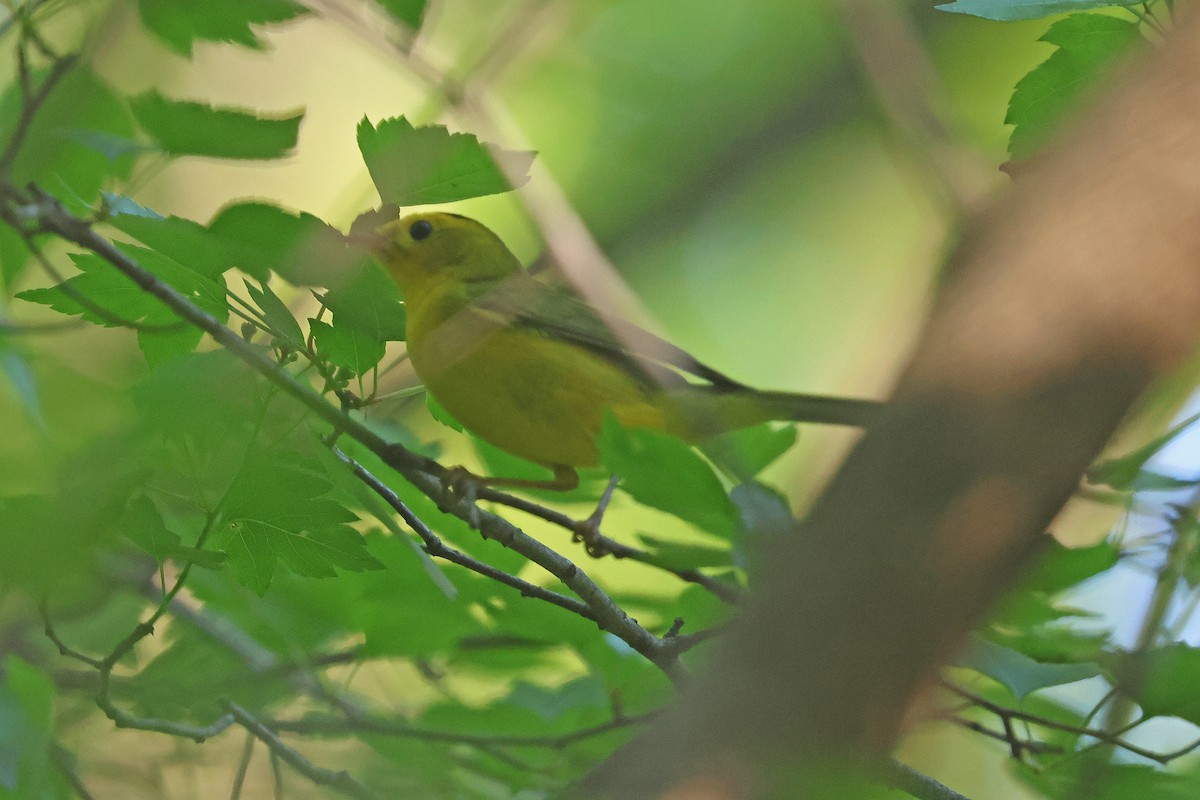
774,199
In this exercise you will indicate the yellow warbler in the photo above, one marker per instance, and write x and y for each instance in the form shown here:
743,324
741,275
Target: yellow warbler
531,368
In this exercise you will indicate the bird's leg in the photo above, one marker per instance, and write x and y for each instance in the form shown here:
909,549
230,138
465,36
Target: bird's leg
565,479
588,530
466,484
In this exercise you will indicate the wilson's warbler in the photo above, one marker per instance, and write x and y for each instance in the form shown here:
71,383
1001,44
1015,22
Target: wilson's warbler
531,368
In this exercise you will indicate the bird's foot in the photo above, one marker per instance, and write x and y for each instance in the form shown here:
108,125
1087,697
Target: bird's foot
465,485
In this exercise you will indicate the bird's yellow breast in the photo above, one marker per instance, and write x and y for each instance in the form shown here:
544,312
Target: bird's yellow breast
536,397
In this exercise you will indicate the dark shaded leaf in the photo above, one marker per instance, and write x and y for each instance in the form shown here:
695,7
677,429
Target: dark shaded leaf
180,23
408,12
300,248
186,128
1018,673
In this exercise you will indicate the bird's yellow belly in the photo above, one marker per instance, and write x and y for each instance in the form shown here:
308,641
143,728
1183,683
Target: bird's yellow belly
537,398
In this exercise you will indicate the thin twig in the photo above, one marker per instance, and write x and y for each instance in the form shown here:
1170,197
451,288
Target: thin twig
1098,734
339,781
435,547
239,777
64,760
389,727
608,546
30,107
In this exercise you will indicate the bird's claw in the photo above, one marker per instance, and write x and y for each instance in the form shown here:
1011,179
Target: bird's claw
587,532
464,485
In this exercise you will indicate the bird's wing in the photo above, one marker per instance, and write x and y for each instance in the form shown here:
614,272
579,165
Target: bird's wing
557,312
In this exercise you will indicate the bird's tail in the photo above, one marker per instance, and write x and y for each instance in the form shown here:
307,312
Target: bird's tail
712,410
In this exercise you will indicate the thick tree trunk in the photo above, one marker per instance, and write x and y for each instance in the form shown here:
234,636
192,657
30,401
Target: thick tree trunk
1079,288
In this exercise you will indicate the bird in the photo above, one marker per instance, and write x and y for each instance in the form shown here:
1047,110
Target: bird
530,367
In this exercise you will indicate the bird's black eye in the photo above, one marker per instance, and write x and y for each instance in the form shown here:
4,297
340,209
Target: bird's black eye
420,229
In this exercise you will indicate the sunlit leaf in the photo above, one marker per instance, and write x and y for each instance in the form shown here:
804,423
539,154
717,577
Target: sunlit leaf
1086,43
1123,472
660,471
749,451
412,166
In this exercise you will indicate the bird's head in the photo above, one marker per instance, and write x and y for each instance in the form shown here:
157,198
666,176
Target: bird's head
441,246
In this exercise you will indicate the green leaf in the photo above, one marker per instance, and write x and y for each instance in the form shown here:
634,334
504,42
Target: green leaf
275,511
113,147
180,23
682,555
300,248
551,703
762,510
189,680
369,302
1063,779
115,205
414,166
1053,643
122,299
144,526
1009,10
439,412
205,397
14,255
1042,99
408,12
660,471
1059,568
1018,673
1150,481
26,697
16,369
1165,682
279,317
1123,473
183,241
749,451
346,347
401,611
52,154
185,128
